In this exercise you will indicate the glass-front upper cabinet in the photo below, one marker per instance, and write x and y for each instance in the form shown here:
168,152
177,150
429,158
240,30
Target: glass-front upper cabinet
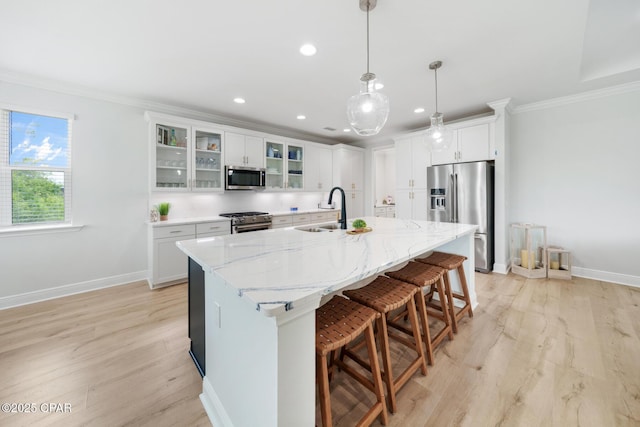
186,155
284,165
295,162
275,157
207,159
171,156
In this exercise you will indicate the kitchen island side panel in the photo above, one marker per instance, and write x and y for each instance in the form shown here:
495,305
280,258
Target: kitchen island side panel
260,369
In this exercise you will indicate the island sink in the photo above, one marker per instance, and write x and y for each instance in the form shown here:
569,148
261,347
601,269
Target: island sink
320,228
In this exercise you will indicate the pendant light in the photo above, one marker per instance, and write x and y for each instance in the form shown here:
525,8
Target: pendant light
438,136
368,111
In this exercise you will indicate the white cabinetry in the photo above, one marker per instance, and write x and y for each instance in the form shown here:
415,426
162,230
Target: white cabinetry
285,163
470,144
385,211
168,264
348,173
185,155
243,150
281,221
319,168
412,160
304,218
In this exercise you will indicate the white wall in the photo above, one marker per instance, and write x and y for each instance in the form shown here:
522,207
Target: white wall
111,200
576,169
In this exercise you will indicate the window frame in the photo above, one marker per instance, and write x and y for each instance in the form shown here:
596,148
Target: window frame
6,169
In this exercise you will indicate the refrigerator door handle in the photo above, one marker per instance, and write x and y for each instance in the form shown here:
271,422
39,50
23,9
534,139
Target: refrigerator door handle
455,185
454,199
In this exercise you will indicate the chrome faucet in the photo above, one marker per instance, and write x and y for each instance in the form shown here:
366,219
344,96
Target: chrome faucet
343,210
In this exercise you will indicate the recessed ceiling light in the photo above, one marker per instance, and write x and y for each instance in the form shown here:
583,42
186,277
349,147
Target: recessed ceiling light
239,100
301,117
419,110
346,130
308,49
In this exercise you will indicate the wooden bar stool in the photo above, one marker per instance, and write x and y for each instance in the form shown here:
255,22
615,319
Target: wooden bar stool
452,262
338,322
427,276
385,294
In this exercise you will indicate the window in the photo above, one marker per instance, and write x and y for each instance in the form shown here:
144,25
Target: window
35,168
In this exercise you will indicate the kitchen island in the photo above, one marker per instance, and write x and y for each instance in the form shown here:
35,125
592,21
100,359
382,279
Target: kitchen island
261,292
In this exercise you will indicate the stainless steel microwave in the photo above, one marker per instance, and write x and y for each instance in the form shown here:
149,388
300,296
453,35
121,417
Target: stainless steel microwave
244,178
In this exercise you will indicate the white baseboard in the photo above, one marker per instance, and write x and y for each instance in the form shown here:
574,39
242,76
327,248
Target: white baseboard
607,276
75,288
501,268
213,406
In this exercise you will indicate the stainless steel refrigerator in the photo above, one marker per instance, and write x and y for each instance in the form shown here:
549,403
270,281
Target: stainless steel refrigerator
463,192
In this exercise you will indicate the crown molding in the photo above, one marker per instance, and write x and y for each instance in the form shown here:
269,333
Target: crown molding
580,97
86,92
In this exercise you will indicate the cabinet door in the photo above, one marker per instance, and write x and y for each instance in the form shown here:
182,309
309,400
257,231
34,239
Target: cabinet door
419,205
295,166
234,149
207,160
355,204
275,164
356,167
214,228
446,156
254,151
170,263
403,158
419,161
404,205
473,143
171,142
380,212
318,163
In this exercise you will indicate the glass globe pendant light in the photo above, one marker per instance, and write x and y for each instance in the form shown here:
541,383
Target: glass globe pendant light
368,111
438,136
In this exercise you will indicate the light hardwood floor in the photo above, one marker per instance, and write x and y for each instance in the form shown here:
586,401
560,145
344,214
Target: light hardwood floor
536,353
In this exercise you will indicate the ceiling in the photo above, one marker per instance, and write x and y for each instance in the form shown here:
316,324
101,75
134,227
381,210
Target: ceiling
200,55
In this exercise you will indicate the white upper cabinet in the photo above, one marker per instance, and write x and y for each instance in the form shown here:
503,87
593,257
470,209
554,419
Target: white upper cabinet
185,155
243,150
470,144
412,159
348,173
285,164
319,168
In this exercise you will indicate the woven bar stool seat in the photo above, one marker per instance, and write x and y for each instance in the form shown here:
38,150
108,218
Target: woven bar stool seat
430,277
385,295
452,262
338,322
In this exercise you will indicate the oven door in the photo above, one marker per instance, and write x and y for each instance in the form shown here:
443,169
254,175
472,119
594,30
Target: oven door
244,178
245,228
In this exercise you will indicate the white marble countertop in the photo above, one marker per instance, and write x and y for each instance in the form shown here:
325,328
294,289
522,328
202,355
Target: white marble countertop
183,221
276,270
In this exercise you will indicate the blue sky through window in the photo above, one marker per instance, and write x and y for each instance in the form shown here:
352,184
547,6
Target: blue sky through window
38,140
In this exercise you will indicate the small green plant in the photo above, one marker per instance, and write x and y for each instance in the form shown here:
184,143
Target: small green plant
163,209
359,223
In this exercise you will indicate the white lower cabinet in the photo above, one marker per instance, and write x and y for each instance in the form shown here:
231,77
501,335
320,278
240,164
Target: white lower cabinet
385,211
167,264
304,218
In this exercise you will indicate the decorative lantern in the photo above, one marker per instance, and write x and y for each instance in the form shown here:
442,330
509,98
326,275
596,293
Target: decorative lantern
528,250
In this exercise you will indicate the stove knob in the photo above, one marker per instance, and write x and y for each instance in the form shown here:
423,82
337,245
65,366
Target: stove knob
241,220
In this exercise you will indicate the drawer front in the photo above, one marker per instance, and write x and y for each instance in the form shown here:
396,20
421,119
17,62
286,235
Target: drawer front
174,231
320,217
301,219
282,221
219,228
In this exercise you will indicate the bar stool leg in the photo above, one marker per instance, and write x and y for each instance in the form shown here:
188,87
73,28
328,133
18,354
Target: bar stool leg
449,304
444,303
465,289
426,335
377,381
323,388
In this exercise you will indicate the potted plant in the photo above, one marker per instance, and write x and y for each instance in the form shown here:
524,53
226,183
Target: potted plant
163,210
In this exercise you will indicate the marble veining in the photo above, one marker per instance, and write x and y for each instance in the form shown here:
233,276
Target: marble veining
278,269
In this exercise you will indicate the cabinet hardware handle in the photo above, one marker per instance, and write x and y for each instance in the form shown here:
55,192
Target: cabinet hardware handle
175,232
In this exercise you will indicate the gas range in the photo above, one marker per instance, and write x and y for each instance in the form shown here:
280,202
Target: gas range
242,222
